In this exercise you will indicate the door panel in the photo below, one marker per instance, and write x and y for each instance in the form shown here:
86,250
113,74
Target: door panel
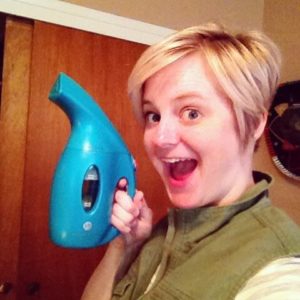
13,122
101,65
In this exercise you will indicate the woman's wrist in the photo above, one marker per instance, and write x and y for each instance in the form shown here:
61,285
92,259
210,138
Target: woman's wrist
128,252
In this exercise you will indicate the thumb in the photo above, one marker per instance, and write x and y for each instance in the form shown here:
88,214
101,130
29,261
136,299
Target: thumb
145,211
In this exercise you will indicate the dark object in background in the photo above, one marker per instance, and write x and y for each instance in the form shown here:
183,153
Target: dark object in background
283,129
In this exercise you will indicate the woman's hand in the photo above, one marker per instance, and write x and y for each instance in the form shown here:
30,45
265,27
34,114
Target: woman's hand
132,217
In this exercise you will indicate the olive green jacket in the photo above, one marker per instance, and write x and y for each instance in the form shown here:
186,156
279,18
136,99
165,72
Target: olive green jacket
211,252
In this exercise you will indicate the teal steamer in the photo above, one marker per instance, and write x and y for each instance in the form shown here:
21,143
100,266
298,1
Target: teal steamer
90,167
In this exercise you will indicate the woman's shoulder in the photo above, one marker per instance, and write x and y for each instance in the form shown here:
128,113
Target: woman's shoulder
280,279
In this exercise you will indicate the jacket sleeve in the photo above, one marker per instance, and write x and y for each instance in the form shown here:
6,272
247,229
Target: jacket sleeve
278,280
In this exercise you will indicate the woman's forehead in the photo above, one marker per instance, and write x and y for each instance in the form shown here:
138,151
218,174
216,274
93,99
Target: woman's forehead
190,77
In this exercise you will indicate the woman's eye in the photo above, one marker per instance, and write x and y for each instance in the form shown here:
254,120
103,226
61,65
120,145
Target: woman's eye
152,117
190,114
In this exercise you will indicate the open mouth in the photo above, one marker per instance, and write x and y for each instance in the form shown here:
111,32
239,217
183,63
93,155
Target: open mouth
180,168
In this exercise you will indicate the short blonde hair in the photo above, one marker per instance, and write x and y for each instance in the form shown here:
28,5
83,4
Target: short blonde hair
246,66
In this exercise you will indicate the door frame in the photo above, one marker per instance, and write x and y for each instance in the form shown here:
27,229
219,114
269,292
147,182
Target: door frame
87,19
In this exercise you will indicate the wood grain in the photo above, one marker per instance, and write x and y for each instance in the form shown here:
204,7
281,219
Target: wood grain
101,65
13,123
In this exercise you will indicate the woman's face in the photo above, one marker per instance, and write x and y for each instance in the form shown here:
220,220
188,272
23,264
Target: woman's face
190,136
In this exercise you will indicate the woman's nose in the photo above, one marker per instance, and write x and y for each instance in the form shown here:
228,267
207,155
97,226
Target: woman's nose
166,134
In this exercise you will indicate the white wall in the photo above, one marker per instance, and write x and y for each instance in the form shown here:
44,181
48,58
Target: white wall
176,14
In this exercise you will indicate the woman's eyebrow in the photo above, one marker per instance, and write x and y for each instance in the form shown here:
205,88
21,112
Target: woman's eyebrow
145,101
147,104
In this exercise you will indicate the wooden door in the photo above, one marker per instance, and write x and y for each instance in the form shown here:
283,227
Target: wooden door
101,65
13,122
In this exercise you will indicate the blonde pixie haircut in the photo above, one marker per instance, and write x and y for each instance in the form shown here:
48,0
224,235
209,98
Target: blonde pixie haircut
246,67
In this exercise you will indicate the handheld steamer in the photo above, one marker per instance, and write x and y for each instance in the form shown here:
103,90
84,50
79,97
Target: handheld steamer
91,165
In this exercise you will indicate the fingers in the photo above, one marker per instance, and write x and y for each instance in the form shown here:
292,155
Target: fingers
132,217
124,201
144,211
122,184
137,200
119,224
124,212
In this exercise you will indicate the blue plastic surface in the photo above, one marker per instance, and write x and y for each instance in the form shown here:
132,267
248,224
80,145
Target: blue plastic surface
93,141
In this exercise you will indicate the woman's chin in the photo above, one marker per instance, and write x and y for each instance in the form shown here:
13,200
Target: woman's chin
183,199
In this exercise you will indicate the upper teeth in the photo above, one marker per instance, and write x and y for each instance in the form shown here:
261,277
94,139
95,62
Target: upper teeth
174,160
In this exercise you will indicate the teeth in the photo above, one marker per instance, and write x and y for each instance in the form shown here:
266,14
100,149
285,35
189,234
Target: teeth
174,160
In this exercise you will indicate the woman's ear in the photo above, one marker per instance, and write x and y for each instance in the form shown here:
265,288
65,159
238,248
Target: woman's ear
261,125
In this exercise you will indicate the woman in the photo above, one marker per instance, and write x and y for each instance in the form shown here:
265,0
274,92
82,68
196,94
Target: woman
202,96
